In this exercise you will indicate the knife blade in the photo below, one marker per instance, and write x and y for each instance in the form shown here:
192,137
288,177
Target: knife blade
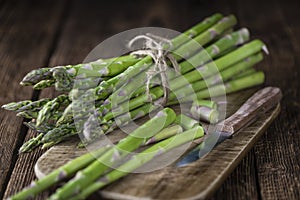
258,103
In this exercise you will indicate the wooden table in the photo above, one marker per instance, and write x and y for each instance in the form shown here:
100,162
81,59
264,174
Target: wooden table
49,33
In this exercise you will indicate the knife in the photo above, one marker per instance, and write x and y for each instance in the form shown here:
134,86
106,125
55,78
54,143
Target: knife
260,102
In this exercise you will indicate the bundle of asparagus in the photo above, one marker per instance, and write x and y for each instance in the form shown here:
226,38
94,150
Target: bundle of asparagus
108,93
101,95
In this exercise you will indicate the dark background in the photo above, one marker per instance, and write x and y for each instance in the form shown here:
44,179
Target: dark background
57,32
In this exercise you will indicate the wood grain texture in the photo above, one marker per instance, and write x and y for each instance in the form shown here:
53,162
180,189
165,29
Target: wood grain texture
23,45
277,153
203,177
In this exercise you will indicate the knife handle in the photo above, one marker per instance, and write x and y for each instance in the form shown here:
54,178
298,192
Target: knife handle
260,102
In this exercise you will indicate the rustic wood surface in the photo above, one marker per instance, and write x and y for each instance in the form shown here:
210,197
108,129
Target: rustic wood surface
203,177
40,33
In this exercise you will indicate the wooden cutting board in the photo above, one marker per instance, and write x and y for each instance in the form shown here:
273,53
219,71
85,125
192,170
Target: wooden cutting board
203,177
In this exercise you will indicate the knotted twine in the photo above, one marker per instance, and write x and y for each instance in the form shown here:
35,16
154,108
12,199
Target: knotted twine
158,48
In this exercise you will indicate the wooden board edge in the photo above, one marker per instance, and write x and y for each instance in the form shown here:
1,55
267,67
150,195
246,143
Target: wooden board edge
218,182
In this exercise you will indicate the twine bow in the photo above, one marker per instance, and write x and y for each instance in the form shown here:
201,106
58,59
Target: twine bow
158,48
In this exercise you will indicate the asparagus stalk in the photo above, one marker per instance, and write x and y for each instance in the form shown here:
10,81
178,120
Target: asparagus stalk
246,73
16,105
204,113
65,77
31,144
205,103
197,29
35,105
63,172
251,80
166,133
113,66
116,66
186,122
142,158
85,177
43,84
58,133
37,75
224,76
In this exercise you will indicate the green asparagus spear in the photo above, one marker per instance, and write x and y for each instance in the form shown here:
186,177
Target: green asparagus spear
102,67
43,84
36,76
34,105
166,133
186,122
225,75
204,113
58,132
251,80
245,73
31,144
205,103
197,29
16,105
59,174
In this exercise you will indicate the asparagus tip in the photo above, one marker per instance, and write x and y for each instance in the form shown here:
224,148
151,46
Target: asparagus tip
24,83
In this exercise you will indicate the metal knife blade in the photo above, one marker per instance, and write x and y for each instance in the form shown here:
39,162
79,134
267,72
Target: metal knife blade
261,101
204,148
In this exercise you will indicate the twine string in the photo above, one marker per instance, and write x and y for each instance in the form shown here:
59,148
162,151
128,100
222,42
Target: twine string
158,48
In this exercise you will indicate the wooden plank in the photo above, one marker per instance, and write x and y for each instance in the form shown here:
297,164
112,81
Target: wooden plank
277,153
80,16
241,184
23,45
202,177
